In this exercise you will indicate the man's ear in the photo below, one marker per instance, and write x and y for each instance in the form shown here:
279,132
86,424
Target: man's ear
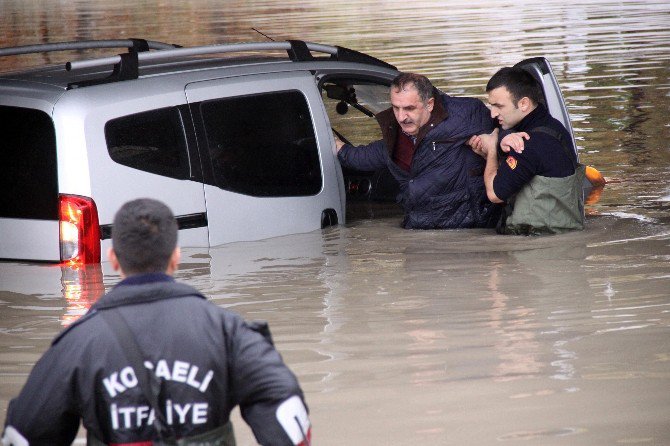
111,255
173,264
430,103
525,104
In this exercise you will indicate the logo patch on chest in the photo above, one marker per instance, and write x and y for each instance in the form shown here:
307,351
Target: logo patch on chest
511,162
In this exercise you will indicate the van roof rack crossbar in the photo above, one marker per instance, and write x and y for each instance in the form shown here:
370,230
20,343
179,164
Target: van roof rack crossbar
297,51
137,45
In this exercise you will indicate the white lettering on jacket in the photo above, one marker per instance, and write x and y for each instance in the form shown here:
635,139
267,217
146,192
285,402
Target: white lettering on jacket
129,417
127,378
176,413
179,371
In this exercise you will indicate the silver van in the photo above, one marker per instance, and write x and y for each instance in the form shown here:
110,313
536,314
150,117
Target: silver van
237,139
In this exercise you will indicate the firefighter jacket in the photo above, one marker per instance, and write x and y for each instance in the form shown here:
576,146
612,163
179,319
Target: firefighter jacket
207,359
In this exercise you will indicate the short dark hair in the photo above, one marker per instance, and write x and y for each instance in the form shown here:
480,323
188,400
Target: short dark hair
519,82
144,235
423,86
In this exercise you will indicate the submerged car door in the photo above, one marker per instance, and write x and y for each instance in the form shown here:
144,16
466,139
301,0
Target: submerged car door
540,68
268,163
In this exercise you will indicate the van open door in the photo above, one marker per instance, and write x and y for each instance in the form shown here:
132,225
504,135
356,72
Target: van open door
540,68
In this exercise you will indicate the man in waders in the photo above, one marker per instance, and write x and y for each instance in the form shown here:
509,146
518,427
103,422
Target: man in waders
153,362
540,179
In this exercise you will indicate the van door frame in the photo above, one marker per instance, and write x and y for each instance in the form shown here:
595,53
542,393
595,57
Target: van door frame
541,70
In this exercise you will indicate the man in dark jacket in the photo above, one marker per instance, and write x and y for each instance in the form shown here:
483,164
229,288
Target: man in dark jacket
205,360
425,135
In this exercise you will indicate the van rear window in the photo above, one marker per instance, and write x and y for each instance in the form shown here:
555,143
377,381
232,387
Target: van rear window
263,145
29,180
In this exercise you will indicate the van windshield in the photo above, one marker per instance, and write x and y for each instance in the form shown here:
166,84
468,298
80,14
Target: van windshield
29,182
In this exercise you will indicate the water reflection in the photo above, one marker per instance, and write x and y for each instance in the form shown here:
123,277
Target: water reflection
515,330
82,287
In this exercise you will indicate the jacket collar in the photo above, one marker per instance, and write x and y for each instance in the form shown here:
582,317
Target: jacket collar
134,294
127,294
532,119
139,279
390,126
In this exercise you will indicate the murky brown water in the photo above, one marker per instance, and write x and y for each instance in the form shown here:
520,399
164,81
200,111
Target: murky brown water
431,337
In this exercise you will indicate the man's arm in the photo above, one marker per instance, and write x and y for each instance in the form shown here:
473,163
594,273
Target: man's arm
369,158
511,141
491,169
269,395
44,412
486,145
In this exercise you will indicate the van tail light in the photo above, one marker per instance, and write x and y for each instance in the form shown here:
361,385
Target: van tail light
79,230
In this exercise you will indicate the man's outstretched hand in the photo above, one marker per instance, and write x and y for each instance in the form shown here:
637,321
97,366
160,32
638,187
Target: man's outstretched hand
338,143
514,141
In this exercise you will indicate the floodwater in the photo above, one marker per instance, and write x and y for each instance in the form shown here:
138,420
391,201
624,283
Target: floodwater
430,337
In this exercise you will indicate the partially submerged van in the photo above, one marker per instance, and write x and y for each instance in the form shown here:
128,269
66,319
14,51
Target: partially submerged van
237,139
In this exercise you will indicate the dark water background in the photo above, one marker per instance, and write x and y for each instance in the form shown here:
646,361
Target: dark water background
430,337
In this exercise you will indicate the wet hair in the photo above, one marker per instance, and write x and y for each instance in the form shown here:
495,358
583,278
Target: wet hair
423,86
518,82
144,235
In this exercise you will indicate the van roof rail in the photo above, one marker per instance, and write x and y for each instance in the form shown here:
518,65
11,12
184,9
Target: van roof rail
125,66
297,51
138,45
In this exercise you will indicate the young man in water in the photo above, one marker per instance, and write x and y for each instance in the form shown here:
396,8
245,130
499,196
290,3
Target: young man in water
205,360
425,134
540,180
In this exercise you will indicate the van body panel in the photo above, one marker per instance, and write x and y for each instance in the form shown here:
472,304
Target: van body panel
29,239
114,183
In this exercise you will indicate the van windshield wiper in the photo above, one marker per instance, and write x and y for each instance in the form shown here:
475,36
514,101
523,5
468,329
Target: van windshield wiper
346,94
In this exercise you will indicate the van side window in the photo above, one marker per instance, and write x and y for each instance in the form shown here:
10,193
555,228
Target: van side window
263,145
29,180
152,141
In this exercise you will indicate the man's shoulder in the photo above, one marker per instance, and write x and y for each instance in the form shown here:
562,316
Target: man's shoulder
548,138
548,149
461,102
121,296
548,127
467,110
466,116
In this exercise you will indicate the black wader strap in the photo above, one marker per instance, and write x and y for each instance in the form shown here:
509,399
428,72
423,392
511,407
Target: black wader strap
147,381
558,136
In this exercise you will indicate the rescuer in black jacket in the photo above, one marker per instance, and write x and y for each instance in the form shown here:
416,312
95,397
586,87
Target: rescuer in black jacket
207,359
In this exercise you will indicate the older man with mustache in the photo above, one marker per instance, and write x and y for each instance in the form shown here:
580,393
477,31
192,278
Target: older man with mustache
424,145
